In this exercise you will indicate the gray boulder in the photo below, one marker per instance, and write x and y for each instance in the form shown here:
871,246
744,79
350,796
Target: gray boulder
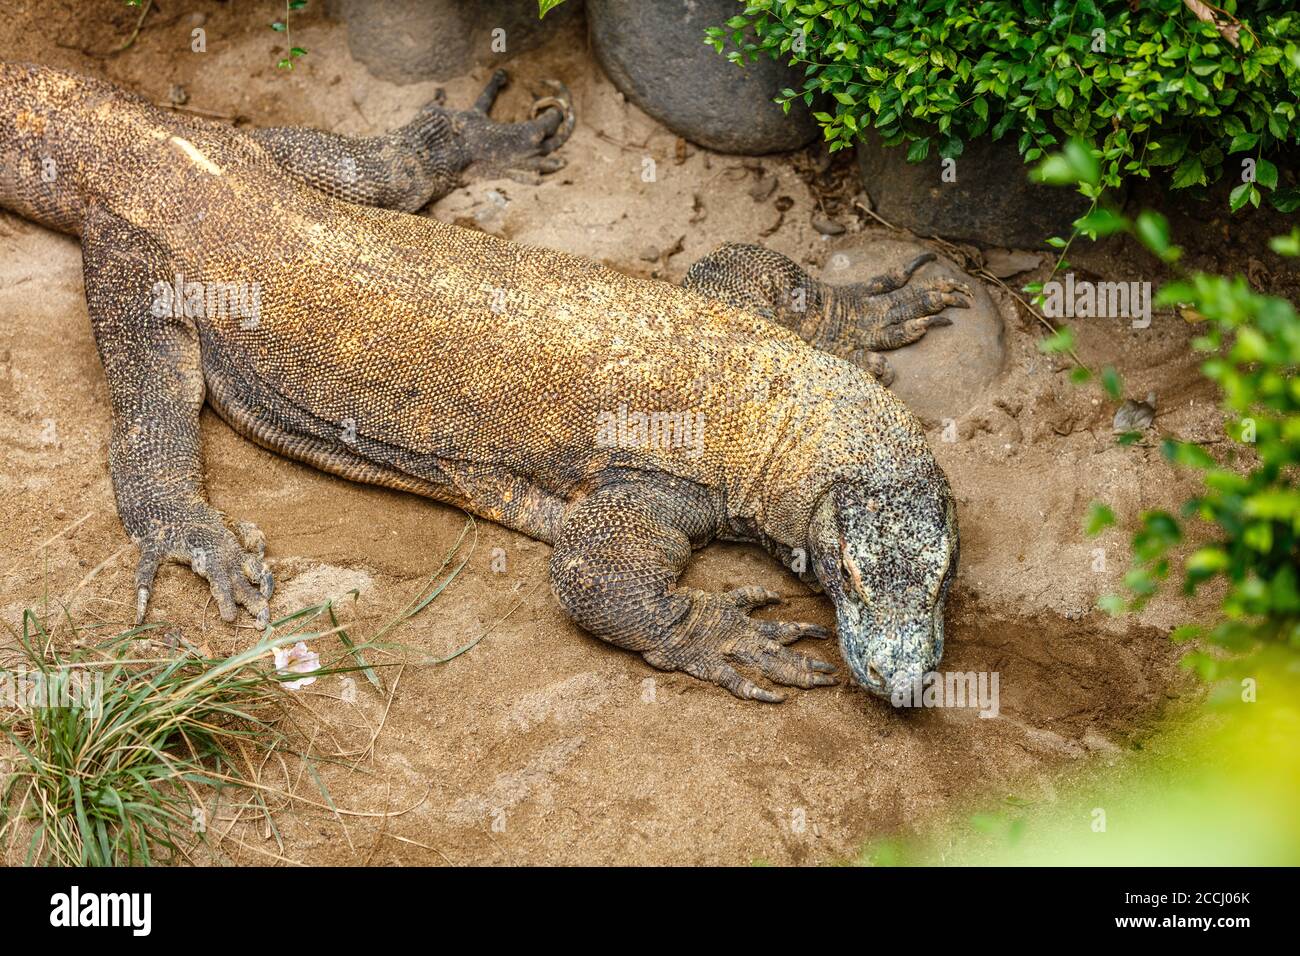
408,41
654,52
992,201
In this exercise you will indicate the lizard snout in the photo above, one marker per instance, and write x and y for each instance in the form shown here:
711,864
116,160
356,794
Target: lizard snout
887,681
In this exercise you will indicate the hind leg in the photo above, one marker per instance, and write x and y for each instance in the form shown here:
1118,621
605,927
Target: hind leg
409,167
854,322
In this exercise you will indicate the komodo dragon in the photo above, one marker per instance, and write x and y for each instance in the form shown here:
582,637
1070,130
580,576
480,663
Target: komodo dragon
623,421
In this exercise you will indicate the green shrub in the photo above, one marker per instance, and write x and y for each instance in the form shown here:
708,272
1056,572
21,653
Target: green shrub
1251,498
1155,86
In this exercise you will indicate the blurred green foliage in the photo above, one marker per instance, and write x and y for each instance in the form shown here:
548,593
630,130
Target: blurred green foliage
1154,84
1215,788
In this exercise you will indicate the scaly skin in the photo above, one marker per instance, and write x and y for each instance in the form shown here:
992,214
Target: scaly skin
400,351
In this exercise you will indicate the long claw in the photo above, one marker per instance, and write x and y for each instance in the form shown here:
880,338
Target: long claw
888,312
562,100
497,82
919,261
230,561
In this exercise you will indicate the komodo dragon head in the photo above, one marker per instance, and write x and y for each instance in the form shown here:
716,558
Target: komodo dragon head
886,553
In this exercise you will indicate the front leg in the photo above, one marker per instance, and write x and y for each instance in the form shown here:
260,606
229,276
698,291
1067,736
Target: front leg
615,568
855,322
155,382
421,162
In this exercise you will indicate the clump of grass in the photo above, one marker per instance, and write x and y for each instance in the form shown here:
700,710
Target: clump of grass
113,762
112,754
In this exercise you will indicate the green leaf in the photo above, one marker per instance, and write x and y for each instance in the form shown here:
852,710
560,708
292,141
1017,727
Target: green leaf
1266,174
1153,230
546,6
1055,170
1258,537
1111,603
1112,383
1101,222
1190,172
1062,340
1282,504
1288,245
1242,142
1239,196
1207,561
1286,199
1099,518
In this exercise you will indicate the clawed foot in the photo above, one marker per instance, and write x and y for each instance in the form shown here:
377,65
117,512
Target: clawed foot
231,562
889,312
722,636
520,150
923,301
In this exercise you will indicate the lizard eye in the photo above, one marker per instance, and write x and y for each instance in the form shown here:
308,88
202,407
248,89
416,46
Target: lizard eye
853,573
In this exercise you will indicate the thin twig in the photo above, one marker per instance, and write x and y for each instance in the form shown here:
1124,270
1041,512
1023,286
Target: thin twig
144,12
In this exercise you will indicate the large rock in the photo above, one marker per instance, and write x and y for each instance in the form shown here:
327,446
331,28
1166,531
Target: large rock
654,51
992,201
408,41
943,375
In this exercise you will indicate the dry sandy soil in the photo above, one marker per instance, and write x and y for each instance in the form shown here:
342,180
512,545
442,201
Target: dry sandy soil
543,745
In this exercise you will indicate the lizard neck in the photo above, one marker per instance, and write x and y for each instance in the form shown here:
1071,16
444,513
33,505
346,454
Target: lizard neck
841,427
